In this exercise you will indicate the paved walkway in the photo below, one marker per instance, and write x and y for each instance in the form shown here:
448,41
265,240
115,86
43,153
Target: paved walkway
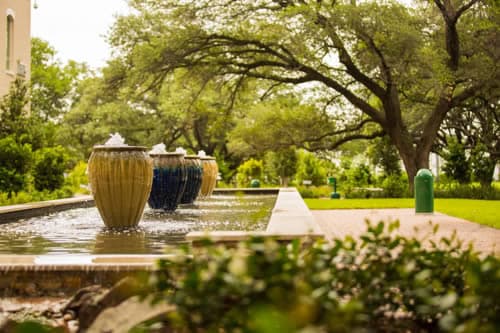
341,222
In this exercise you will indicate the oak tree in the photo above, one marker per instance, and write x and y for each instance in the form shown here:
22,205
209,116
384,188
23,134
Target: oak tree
401,68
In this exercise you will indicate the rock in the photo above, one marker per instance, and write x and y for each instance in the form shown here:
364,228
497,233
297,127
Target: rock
82,296
70,315
84,303
8,325
72,326
89,302
11,306
129,314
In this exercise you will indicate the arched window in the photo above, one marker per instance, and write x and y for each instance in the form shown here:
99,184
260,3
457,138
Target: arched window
10,42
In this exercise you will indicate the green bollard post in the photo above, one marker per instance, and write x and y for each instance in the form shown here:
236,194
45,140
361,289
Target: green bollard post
424,191
333,181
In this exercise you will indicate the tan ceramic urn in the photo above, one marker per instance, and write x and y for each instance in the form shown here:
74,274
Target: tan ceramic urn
120,178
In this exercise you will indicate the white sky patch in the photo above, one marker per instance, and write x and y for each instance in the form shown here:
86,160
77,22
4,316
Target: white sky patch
76,28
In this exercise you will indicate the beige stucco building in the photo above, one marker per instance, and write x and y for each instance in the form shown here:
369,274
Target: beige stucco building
15,42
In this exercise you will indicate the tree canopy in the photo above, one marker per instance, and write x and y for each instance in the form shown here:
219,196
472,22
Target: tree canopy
398,67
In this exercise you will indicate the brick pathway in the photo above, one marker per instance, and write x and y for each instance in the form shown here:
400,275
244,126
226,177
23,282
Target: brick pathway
341,222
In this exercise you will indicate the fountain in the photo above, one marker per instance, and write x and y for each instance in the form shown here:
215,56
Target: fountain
72,249
120,180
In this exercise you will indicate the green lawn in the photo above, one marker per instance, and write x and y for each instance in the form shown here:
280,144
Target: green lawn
485,212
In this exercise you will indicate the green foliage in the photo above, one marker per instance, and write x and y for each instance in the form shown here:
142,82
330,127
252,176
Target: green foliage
310,168
395,186
315,191
483,165
251,169
457,165
35,196
15,162
359,175
280,123
32,326
369,66
14,112
280,166
379,282
226,169
383,154
51,83
49,167
466,191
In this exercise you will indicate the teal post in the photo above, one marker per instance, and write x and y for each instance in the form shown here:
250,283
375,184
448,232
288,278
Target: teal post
333,181
424,191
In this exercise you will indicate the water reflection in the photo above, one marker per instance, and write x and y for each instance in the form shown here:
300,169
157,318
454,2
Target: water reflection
121,242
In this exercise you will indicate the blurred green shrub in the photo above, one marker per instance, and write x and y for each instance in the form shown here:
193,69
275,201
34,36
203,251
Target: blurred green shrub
49,167
15,162
251,169
314,191
381,282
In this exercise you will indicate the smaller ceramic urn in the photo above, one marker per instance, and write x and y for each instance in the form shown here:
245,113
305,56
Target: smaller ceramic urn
194,177
209,180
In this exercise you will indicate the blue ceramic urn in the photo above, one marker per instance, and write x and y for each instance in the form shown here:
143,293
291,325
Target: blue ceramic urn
169,181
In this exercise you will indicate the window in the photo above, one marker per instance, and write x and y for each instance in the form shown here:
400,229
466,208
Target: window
10,42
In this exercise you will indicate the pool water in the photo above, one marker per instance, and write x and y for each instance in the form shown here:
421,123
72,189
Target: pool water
81,231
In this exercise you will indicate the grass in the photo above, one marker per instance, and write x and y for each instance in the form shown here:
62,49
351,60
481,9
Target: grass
485,212
359,203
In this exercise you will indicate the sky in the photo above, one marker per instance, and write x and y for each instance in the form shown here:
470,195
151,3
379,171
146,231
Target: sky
76,28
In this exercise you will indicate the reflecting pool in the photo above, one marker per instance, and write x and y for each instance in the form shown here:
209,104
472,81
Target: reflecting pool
81,231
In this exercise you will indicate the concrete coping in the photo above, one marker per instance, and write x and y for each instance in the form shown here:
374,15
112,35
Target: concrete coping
290,219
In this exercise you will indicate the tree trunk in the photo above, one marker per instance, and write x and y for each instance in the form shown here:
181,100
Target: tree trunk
414,159
284,181
410,166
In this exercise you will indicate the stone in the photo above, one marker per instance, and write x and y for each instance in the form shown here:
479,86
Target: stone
72,326
84,304
70,315
11,306
8,325
129,314
89,302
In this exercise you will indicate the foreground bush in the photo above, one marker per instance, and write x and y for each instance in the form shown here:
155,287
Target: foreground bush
379,283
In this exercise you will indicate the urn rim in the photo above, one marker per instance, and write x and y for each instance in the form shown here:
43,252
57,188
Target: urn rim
118,148
192,157
166,154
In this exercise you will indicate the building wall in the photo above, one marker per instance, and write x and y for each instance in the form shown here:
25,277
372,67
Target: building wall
20,10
